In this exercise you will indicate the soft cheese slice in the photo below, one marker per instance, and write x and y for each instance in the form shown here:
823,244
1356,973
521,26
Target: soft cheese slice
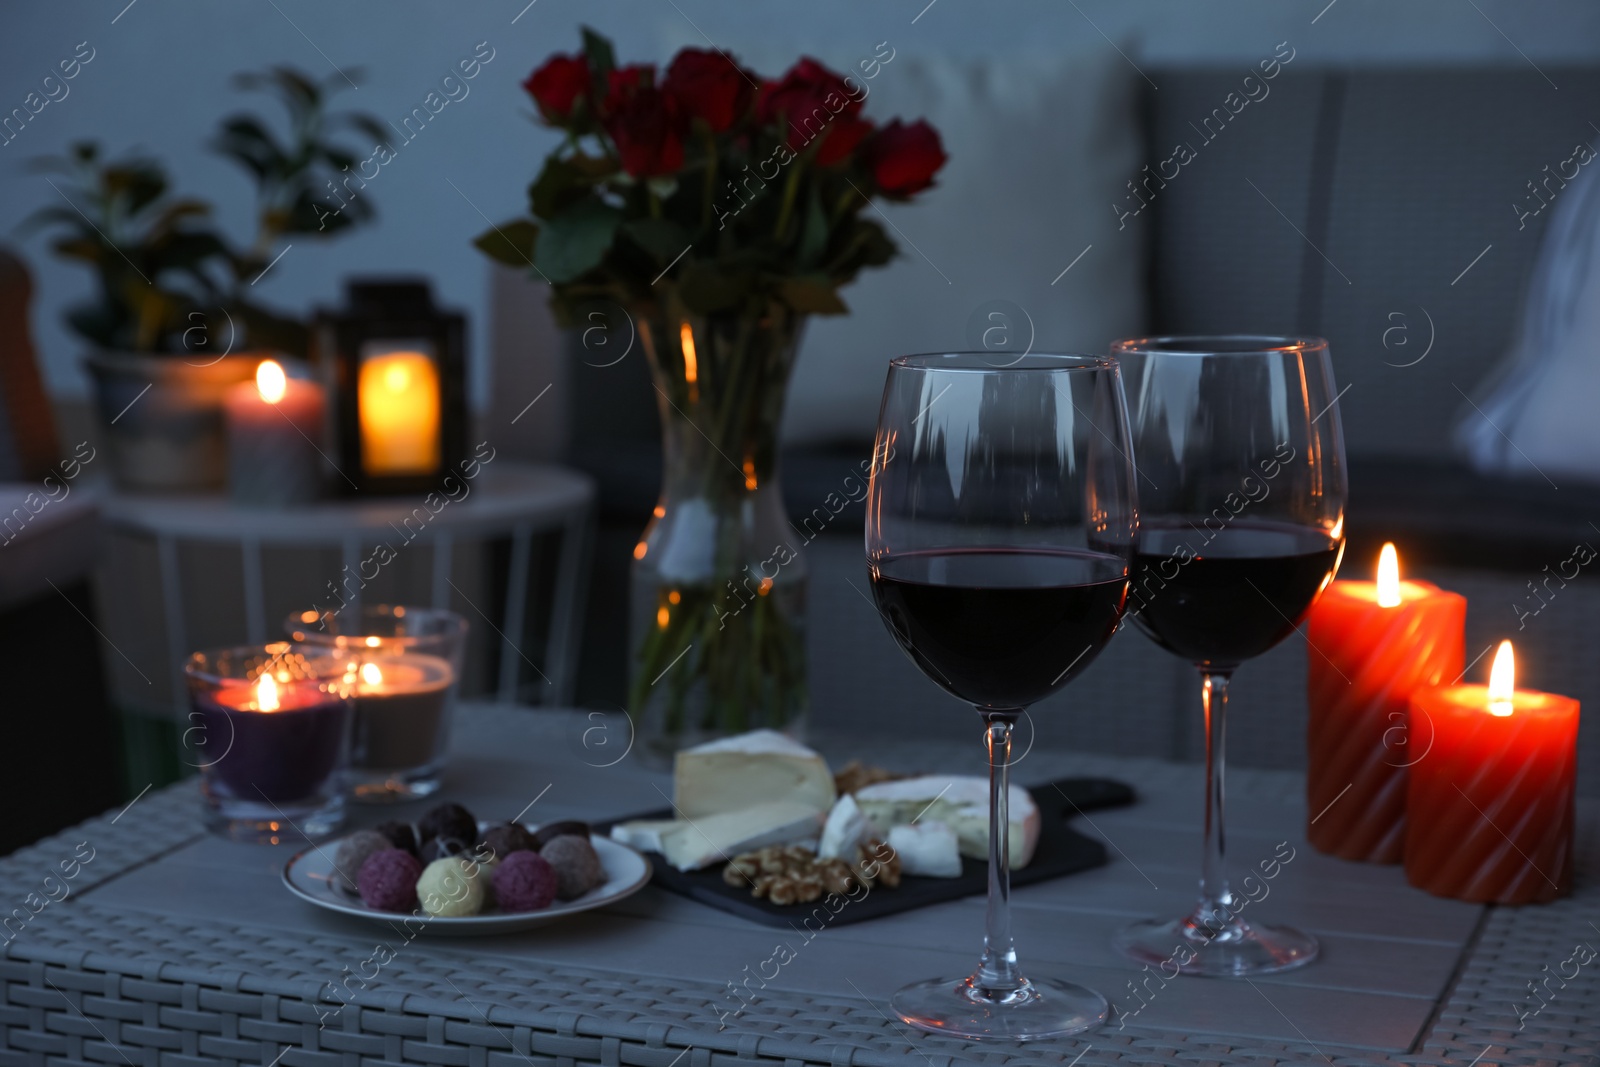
845,829
762,766
642,834
928,848
960,802
689,844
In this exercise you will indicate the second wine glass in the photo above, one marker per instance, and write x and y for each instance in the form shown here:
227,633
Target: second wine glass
1241,493
1000,524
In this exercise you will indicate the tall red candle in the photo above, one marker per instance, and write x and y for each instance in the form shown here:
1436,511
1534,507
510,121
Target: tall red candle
1371,645
1490,809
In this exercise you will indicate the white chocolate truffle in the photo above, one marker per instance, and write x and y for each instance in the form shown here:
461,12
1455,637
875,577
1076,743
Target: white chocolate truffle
451,886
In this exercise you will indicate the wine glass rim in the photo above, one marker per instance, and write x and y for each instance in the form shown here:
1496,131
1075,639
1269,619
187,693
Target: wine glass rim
1227,344
984,362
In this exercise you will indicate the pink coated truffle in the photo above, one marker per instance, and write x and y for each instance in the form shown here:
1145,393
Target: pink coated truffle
524,881
388,880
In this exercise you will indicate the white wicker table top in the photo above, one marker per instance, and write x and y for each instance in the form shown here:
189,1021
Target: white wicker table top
169,946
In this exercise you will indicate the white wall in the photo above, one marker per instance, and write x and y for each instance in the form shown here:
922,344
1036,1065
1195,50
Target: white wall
160,80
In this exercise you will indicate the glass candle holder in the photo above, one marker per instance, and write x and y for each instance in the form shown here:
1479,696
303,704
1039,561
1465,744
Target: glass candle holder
269,728
402,666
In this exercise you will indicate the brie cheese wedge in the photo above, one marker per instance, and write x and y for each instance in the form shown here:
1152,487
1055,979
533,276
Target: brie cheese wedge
690,844
928,848
845,829
960,802
759,767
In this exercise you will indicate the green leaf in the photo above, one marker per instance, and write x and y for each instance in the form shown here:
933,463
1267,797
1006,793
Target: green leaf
705,289
602,60
559,185
663,239
576,241
812,294
865,245
510,243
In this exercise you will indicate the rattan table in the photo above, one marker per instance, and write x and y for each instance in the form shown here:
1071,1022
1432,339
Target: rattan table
170,947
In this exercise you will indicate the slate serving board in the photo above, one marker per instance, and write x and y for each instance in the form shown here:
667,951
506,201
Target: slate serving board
1061,850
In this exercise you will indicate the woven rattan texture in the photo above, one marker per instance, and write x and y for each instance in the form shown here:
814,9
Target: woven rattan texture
91,984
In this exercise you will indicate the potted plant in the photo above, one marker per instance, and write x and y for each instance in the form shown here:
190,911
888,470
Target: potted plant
718,210
172,321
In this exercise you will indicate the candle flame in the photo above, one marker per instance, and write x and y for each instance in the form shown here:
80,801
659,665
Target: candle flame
371,674
373,642
1388,577
267,693
691,362
1502,681
271,382
396,377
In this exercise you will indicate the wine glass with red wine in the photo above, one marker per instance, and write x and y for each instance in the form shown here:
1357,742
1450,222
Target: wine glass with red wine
1000,531
1241,496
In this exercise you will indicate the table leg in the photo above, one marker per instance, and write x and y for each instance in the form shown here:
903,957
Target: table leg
255,608
566,609
516,611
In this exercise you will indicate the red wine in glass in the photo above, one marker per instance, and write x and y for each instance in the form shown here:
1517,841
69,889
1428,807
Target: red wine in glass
1001,627
1224,596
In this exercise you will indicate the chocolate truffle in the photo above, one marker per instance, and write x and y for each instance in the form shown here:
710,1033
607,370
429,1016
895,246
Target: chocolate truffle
448,820
438,848
507,838
552,830
388,880
353,852
401,835
577,865
450,887
524,881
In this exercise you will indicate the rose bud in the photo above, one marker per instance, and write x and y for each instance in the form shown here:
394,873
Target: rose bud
558,87
708,85
903,159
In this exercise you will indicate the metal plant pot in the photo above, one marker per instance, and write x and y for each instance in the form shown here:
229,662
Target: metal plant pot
162,419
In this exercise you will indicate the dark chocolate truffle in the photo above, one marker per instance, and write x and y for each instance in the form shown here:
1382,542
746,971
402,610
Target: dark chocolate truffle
577,865
524,881
448,820
507,838
552,830
438,848
388,880
401,835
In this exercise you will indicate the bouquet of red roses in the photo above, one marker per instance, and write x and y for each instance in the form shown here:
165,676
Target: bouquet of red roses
735,189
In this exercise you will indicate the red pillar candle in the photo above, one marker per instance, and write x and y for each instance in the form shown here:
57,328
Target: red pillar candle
1490,809
1371,645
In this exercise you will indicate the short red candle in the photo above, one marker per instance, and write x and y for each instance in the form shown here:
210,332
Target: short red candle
1365,659
1490,808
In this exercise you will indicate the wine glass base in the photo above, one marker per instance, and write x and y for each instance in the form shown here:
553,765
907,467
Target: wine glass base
1040,1009
1236,949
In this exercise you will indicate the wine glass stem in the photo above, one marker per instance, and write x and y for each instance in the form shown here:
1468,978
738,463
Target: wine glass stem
998,973
1214,910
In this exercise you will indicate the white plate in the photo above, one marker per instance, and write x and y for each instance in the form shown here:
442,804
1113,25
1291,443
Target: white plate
309,875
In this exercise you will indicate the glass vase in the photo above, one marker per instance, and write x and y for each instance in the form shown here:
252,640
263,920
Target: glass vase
719,580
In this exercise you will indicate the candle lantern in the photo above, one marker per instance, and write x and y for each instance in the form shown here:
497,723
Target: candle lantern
398,371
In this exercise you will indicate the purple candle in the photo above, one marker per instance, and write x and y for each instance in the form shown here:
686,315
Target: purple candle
266,740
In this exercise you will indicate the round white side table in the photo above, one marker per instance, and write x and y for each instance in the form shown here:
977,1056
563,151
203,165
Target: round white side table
507,500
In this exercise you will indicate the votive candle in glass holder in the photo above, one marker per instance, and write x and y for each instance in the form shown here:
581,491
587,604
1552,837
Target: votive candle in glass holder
269,728
402,666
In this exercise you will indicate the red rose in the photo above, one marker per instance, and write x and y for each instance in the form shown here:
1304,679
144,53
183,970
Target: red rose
558,87
708,85
843,136
903,159
808,99
644,123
